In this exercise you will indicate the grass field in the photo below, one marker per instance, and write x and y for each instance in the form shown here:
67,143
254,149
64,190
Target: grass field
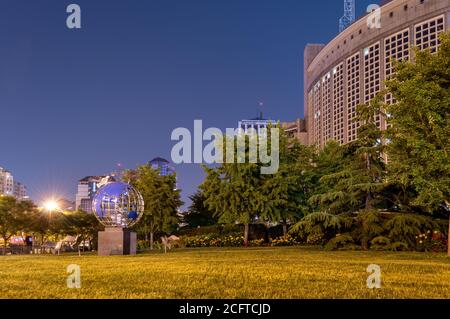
229,273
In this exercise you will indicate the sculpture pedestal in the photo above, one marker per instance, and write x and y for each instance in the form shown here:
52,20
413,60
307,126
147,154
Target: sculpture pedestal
116,241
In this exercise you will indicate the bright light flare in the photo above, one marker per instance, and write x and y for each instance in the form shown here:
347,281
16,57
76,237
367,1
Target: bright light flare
51,205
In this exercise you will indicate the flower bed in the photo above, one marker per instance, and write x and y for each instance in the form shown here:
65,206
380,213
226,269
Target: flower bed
234,241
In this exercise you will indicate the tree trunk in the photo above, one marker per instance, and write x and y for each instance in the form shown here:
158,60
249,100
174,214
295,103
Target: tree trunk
151,240
151,228
284,229
4,246
448,240
364,244
42,243
246,226
369,202
369,195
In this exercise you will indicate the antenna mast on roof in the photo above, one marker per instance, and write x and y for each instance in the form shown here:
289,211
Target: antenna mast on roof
349,15
259,112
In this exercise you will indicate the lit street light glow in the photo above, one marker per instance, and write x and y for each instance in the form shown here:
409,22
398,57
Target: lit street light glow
51,205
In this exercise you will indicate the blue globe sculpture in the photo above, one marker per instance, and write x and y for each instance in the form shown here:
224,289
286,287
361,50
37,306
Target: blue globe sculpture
118,205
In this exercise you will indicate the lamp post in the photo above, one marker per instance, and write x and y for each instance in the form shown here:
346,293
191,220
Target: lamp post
50,206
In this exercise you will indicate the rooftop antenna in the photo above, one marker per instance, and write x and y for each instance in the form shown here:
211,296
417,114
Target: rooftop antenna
349,15
259,112
118,172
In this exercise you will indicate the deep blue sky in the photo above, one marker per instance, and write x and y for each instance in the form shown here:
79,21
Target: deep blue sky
77,102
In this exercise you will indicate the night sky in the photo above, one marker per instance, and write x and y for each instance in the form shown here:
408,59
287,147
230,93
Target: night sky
77,102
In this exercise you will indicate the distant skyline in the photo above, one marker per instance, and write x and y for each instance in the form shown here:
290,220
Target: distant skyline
78,102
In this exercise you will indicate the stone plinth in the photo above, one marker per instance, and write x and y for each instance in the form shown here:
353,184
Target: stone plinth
116,241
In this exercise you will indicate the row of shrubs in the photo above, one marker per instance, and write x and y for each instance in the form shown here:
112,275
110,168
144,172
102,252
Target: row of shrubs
215,230
211,240
425,243
214,240
371,230
430,241
375,231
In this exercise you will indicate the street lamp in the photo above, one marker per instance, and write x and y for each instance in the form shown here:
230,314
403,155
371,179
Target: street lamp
51,206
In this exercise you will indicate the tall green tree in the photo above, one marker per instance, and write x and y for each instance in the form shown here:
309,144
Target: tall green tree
40,224
359,182
233,193
12,217
420,127
347,179
287,189
161,198
240,193
198,213
324,162
84,225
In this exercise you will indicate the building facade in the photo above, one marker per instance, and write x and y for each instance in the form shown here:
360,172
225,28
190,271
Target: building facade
87,187
256,124
296,130
20,190
163,165
10,187
6,182
65,204
351,68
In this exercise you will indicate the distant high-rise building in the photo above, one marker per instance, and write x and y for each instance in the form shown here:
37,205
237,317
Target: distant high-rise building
257,124
6,182
10,187
163,165
20,190
87,187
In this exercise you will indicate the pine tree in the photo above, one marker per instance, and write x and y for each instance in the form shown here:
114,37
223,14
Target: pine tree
198,213
358,182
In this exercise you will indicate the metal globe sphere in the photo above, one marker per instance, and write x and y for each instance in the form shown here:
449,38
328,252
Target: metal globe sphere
118,205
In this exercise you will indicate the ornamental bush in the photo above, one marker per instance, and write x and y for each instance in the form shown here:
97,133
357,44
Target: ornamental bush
212,241
399,246
380,243
376,231
256,243
341,241
284,241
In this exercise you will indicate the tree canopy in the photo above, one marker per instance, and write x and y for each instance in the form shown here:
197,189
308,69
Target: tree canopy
161,198
419,132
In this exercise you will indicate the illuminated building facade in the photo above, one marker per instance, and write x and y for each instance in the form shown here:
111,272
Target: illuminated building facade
352,68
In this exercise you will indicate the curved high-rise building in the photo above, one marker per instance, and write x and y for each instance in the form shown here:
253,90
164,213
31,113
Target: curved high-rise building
352,67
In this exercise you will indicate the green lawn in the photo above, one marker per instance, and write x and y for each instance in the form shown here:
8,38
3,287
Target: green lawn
229,273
